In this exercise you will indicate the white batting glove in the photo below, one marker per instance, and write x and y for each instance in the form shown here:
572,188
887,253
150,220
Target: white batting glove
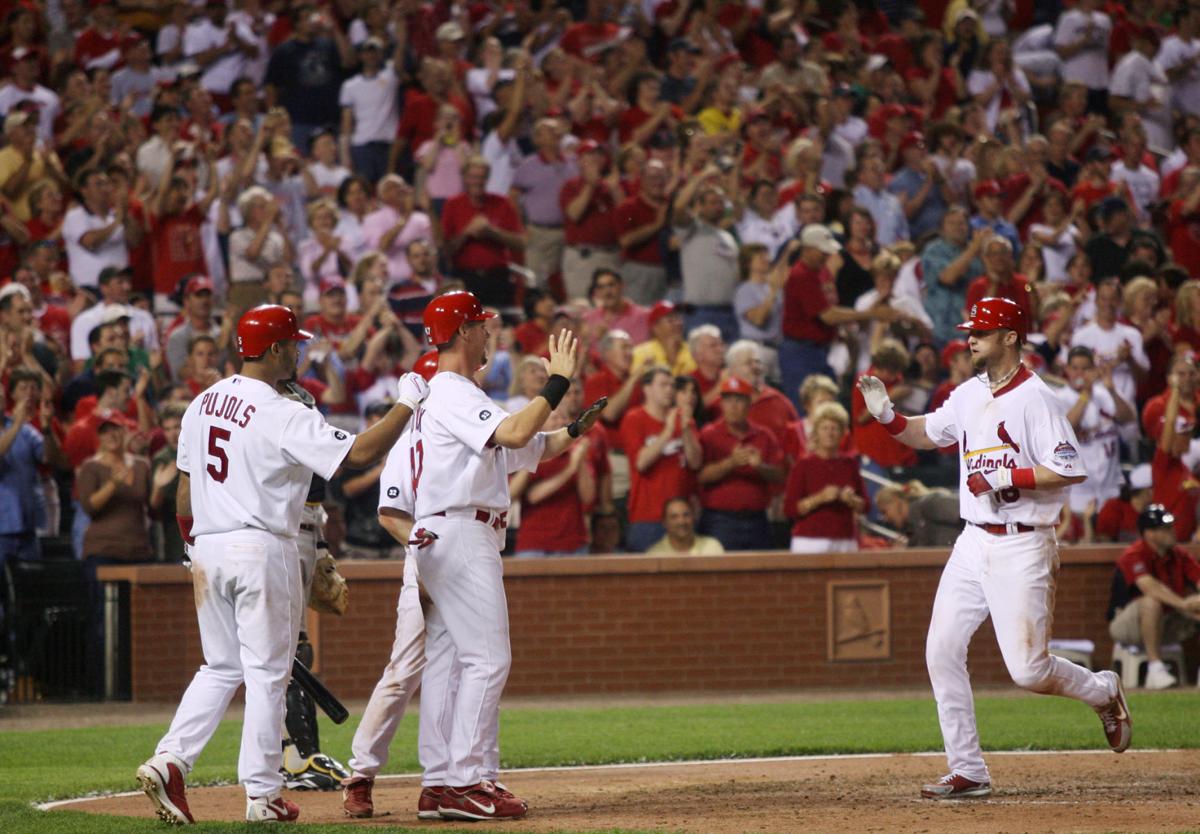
876,396
412,390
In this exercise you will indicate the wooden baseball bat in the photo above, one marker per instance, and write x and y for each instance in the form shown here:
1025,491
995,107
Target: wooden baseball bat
325,699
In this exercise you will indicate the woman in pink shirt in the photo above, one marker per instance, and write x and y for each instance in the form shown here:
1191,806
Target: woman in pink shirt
441,160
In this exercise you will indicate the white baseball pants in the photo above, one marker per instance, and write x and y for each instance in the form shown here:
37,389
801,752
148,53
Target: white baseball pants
468,631
395,689
246,585
1012,578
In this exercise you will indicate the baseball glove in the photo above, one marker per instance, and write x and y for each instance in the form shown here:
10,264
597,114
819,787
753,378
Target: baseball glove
329,594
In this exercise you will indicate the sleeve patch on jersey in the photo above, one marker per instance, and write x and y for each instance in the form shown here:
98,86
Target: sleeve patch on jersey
485,415
340,435
393,492
1064,452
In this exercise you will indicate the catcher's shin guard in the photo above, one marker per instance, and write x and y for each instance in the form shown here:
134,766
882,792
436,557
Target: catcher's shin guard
301,719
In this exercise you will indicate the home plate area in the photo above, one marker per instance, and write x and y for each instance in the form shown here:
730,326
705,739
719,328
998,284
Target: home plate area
1142,791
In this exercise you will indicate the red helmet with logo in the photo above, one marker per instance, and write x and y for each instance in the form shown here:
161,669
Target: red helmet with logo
997,314
427,365
263,326
446,313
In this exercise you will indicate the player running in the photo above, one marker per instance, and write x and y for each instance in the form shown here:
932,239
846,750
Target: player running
464,447
1019,455
246,456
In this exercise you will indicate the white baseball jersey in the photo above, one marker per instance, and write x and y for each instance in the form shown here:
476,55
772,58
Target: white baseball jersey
455,464
251,454
1099,444
1021,425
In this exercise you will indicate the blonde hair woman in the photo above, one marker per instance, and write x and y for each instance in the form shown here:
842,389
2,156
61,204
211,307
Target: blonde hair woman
1146,310
825,492
527,382
322,255
1187,314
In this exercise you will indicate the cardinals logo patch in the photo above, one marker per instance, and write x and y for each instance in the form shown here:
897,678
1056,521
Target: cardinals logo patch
1005,437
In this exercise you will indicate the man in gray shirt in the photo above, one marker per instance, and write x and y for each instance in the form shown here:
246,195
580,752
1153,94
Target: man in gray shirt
708,254
197,321
538,180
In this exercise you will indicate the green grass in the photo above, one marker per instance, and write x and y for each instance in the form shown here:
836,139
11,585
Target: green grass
51,764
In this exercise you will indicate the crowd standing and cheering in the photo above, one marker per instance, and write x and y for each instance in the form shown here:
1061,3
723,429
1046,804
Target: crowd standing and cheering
739,208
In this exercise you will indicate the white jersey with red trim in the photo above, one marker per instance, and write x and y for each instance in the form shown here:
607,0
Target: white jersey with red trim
1021,425
251,453
456,466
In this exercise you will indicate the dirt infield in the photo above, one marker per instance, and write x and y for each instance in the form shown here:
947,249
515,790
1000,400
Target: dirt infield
1085,792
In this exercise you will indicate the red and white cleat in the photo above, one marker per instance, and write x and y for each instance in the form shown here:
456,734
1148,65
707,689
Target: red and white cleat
479,802
162,781
954,786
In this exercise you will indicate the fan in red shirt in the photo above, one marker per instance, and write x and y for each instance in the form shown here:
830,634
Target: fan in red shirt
101,44
664,450
532,335
421,106
483,235
1169,420
556,498
871,438
1117,519
825,492
761,158
616,379
589,206
817,389
174,221
638,222
648,115
589,38
332,323
741,461
1162,604
769,408
1000,278
1183,221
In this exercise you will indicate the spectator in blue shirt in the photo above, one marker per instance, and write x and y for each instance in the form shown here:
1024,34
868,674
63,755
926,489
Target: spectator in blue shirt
920,186
23,447
891,225
988,213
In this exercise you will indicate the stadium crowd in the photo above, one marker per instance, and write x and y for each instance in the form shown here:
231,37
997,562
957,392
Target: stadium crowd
740,207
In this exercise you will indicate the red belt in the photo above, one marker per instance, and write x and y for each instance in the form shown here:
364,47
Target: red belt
1005,529
497,521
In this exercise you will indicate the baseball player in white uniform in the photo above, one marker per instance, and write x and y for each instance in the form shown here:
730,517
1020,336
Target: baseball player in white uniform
1019,455
463,447
246,456
400,677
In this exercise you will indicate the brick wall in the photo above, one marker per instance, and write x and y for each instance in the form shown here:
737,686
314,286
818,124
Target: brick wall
628,624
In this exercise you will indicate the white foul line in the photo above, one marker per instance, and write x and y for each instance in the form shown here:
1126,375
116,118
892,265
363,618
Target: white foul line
823,757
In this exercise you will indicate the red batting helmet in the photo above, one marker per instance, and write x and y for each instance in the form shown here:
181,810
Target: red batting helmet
263,326
446,313
427,365
997,314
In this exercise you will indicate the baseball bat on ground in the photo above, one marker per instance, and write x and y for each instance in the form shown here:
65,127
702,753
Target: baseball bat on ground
325,699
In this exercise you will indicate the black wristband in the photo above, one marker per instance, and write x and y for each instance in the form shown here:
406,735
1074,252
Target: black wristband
573,429
555,389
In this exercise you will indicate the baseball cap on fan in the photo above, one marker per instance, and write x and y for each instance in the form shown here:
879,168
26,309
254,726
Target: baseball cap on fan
1141,477
817,236
1153,517
735,386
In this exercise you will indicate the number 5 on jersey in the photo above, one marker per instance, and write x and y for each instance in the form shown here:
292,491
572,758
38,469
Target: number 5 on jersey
220,471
